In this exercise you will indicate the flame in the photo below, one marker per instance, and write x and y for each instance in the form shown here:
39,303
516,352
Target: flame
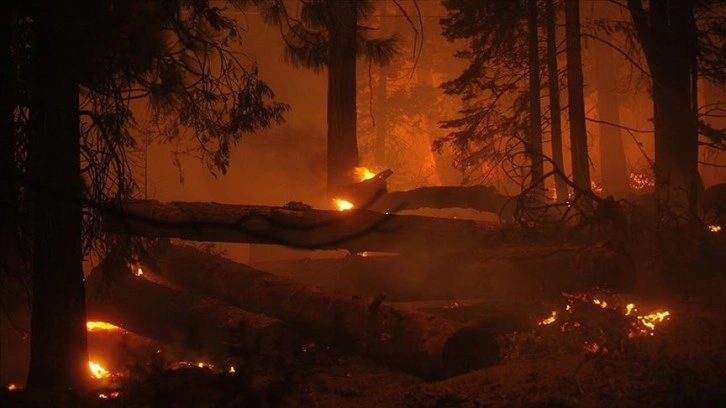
110,395
12,387
342,205
629,309
232,370
603,304
363,173
98,371
650,320
714,228
595,187
100,326
139,272
548,320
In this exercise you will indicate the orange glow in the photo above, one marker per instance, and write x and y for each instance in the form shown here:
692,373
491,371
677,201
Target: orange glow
97,371
714,228
13,387
363,173
232,370
101,326
640,181
549,320
342,205
110,395
139,272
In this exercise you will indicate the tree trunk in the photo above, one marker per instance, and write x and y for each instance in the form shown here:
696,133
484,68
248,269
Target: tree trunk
554,94
613,168
576,100
379,151
342,136
59,353
186,321
667,34
535,110
419,343
354,230
7,132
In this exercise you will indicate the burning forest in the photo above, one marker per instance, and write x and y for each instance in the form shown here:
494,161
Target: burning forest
357,203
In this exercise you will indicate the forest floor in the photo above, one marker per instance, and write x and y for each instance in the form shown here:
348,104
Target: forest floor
589,356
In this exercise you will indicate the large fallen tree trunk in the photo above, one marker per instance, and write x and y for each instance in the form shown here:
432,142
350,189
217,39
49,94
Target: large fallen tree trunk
420,343
516,272
184,320
299,227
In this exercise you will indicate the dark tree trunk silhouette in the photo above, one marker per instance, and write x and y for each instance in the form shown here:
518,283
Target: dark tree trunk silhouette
576,102
58,344
554,96
379,151
667,34
613,168
7,137
342,137
535,110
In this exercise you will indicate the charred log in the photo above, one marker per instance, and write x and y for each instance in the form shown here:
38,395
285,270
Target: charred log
417,342
355,230
185,320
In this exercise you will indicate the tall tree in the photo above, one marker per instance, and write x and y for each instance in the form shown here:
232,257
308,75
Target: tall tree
667,33
535,109
73,126
327,34
553,85
613,168
576,100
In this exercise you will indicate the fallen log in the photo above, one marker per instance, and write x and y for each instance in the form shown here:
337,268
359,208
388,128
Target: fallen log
516,272
184,320
420,343
298,226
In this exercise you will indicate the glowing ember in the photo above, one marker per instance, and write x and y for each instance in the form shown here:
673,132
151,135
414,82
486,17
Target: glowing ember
629,309
139,272
97,371
342,205
548,320
13,387
714,228
594,348
600,303
363,173
232,370
640,181
650,320
110,395
595,187
101,326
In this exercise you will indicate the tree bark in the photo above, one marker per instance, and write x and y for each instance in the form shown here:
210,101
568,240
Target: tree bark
576,101
58,344
342,136
667,34
422,344
183,320
355,230
561,189
535,110
613,168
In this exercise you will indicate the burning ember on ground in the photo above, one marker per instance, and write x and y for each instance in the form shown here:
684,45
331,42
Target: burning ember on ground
101,326
714,228
12,387
342,205
139,272
581,313
109,395
98,371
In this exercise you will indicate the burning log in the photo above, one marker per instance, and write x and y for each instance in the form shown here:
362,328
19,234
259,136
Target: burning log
298,226
420,343
189,321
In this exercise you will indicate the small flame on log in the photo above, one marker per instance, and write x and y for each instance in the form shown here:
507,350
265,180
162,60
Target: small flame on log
342,205
363,173
714,228
109,395
98,371
92,326
139,272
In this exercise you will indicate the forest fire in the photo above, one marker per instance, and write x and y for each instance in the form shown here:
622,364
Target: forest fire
93,326
97,371
342,205
641,181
